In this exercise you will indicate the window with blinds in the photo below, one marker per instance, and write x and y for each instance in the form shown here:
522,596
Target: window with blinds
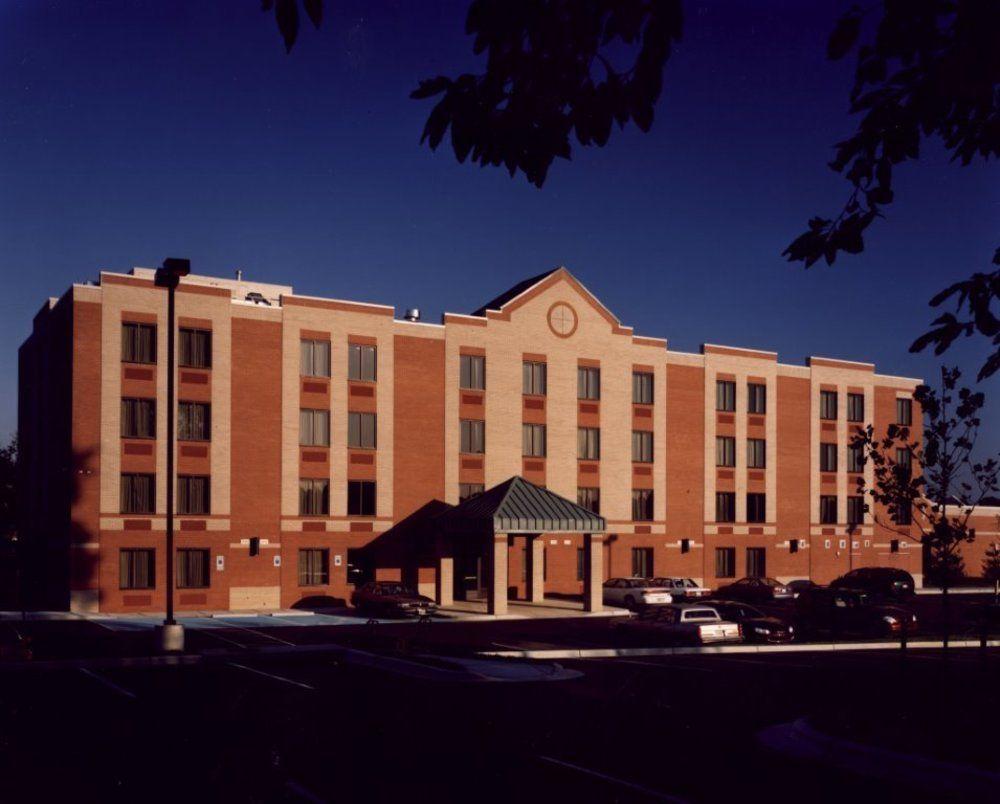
535,376
138,343
467,490
904,412
725,451
855,407
314,567
828,457
194,348
642,388
361,361
137,568
588,443
725,395
472,372
589,498
642,505
725,562
193,494
314,497
193,421
314,358
756,453
828,404
472,436
314,427
192,568
361,429
138,494
756,398
533,440
138,418
756,507
588,382
855,510
642,446
725,506
828,509
855,458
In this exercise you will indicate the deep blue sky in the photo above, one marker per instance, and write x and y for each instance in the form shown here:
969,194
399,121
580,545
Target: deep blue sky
130,131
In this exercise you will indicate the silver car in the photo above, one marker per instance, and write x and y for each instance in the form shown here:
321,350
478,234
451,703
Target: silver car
635,593
682,588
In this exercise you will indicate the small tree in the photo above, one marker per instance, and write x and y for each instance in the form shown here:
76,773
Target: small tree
991,563
932,485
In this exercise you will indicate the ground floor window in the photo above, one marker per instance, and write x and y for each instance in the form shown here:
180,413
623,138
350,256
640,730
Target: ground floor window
642,562
756,562
137,568
314,567
580,563
725,562
193,568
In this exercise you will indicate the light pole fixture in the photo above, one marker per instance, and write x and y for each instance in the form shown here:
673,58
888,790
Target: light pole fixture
171,633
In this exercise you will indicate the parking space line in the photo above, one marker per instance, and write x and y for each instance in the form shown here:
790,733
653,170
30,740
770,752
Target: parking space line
646,791
107,682
260,633
273,676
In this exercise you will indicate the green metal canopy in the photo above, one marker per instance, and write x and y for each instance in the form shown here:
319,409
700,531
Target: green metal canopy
518,506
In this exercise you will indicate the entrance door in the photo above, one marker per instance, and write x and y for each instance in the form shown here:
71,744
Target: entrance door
470,578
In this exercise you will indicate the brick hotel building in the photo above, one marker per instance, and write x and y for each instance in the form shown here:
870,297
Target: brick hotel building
319,441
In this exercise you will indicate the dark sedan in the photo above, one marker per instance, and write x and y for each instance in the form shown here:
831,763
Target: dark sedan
391,599
882,581
757,626
754,590
851,612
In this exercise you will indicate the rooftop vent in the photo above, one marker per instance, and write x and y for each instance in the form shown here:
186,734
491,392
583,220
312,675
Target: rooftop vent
257,298
412,314
239,275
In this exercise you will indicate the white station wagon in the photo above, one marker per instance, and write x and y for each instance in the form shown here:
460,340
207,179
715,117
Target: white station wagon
635,593
682,588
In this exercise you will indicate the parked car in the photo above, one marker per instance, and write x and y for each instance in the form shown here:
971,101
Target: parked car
634,593
851,612
800,586
754,590
692,624
391,599
682,588
882,581
756,625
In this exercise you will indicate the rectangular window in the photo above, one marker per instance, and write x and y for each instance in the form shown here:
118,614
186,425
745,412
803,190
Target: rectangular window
137,568
315,358
589,498
828,404
855,458
472,372
725,562
533,440
194,421
725,506
756,397
138,418
467,490
361,497
855,407
192,568
828,509
472,436
361,430
138,343
535,377
588,383
725,395
580,563
725,451
194,347
904,460
756,507
361,361
642,388
314,567
138,494
642,505
904,412
314,497
642,446
855,510
193,495
903,515
588,443
642,562
314,427
756,453
828,457
756,562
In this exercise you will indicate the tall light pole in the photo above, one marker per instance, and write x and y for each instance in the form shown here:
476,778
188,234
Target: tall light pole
171,633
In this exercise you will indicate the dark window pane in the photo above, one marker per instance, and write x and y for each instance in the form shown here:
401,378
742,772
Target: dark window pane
192,568
137,568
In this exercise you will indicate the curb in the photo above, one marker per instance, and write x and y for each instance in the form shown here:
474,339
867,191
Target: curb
939,777
806,647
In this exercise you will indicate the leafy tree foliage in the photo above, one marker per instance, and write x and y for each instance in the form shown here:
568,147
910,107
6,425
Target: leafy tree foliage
286,14
8,489
930,70
991,563
939,499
